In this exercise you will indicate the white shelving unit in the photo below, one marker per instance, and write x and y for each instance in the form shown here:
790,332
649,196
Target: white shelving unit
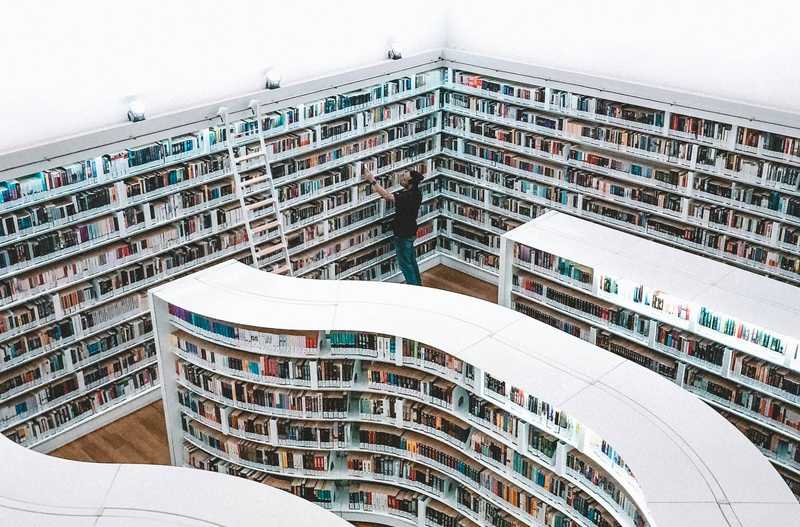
274,179
469,359
55,492
726,335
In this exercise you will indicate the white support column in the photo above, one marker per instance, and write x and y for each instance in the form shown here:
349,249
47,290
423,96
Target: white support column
398,412
122,193
225,419
398,351
312,366
732,135
560,464
506,271
58,310
695,149
727,358
680,374
422,506
775,234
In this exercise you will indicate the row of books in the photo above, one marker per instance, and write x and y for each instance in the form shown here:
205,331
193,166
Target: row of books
109,257
68,330
259,397
389,377
388,89
50,244
49,423
669,148
597,106
766,173
330,130
775,412
297,166
264,366
250,339
502,110
699,127
788,146
578,104
36,217
660,199
729,218
742,251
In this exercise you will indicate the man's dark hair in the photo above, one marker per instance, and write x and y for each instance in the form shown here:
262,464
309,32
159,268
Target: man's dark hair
416,178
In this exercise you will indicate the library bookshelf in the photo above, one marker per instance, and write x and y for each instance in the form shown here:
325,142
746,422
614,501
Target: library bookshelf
42,490
438,409
724,334
274,179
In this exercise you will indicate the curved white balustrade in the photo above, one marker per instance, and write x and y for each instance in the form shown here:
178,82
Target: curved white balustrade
37,490
691,466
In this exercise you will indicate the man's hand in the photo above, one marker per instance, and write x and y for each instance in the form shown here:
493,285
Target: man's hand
388,196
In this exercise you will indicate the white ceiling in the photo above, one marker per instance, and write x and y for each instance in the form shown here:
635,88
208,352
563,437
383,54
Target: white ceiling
70,67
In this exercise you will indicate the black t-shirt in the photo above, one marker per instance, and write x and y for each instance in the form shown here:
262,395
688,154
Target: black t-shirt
406,204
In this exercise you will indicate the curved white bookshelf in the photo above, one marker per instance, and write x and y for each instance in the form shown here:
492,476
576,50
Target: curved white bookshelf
682,461
38,490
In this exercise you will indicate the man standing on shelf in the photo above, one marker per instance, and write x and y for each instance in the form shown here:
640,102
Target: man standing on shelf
406,204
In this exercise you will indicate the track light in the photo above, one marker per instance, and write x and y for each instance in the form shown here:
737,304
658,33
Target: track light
395,51
136,110
273,79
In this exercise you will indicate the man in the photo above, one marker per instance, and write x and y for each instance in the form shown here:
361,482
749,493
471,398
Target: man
406,204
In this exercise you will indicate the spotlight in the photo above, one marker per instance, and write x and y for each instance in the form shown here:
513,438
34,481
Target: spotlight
395,51
273,79
222,113
136,110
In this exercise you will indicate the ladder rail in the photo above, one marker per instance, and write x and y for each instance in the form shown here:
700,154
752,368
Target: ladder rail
237,178
273,192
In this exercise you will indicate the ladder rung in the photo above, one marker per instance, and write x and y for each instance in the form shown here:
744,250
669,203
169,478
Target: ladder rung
247,157
266,251
258,204
265,227
280,270
254,180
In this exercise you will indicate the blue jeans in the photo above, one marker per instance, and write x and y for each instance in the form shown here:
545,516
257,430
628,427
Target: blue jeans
407,260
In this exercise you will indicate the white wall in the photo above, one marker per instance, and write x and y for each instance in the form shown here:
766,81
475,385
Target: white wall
69,67
745,50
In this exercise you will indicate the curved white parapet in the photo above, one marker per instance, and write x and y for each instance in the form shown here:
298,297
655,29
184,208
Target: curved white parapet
683,463
37,490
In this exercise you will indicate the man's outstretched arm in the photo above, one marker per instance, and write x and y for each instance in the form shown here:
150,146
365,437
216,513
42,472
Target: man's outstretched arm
385,194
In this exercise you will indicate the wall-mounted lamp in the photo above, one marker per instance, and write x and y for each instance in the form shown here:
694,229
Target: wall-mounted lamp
136,110
273,79
395,51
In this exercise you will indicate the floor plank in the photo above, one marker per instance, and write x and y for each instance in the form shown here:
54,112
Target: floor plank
141,437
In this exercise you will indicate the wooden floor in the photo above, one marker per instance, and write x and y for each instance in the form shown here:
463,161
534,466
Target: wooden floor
442,277
141,437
